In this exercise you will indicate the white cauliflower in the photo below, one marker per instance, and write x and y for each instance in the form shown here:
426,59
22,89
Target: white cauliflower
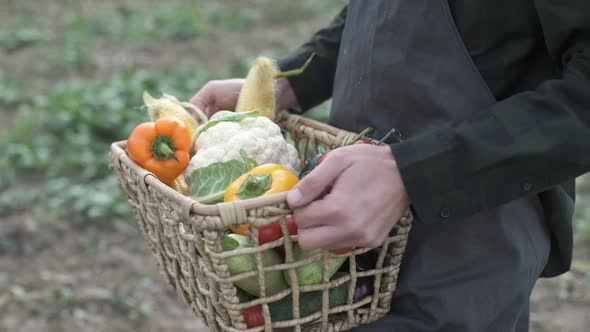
259,137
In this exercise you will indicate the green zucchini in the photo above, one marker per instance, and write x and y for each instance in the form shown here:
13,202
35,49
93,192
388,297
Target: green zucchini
274,280
243,296
309,303
312,273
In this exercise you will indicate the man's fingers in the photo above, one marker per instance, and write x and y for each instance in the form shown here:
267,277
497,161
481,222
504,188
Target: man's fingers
325,237
316,213
328,212
205,100
319,181
218,95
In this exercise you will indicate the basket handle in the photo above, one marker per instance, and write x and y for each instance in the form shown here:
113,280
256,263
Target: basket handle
232,213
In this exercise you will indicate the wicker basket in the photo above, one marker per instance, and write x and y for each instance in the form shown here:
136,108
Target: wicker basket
185,239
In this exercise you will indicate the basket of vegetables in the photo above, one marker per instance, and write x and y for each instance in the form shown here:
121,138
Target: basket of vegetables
210,198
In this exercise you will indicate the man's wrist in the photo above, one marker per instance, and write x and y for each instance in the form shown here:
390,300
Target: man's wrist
396,172
286,98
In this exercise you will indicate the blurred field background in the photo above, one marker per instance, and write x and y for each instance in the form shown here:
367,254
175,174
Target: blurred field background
71,78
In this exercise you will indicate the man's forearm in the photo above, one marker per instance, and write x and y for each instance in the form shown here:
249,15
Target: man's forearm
314,85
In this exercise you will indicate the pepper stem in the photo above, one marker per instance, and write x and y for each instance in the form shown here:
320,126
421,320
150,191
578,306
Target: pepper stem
362,134
389,133
255,185
163,148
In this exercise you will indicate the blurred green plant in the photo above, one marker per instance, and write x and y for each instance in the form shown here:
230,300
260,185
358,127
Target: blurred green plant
290,12
56,152
24,35
582,212
145,24
9,90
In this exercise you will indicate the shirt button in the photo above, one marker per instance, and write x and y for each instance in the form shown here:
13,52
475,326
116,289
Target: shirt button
527,185
445,212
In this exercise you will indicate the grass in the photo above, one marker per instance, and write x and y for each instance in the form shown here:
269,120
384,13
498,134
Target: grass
68,131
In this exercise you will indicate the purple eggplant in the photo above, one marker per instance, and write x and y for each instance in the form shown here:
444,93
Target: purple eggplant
310,165
364,287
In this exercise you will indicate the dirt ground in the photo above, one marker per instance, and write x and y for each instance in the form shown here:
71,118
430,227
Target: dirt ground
51,282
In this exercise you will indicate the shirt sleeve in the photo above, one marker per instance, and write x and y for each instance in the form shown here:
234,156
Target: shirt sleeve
524,144
314,86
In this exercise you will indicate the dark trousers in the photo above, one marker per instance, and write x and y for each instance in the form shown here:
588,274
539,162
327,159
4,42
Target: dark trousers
471,275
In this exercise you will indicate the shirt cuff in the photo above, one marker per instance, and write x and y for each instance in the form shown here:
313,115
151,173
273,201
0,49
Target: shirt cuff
426,165
304,85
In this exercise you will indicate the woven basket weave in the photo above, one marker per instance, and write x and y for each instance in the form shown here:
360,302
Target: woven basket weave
185,238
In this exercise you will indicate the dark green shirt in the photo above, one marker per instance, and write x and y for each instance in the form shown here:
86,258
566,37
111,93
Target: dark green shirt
535,57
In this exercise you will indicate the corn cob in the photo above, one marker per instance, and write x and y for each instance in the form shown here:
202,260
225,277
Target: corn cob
180,185
170,105
259,90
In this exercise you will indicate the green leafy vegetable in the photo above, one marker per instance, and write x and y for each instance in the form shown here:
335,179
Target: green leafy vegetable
250,163
207,185
220,117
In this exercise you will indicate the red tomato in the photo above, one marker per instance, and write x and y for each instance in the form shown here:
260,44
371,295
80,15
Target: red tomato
342,251
269,233
364,141
273,231
253,316
291,225
322,157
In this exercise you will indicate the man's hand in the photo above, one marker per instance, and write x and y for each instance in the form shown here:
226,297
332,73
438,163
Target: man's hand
219,95
366,197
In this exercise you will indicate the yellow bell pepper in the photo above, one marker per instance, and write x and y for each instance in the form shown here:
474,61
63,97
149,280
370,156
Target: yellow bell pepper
262,180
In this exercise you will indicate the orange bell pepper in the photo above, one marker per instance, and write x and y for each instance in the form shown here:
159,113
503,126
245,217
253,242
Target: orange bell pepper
161,147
